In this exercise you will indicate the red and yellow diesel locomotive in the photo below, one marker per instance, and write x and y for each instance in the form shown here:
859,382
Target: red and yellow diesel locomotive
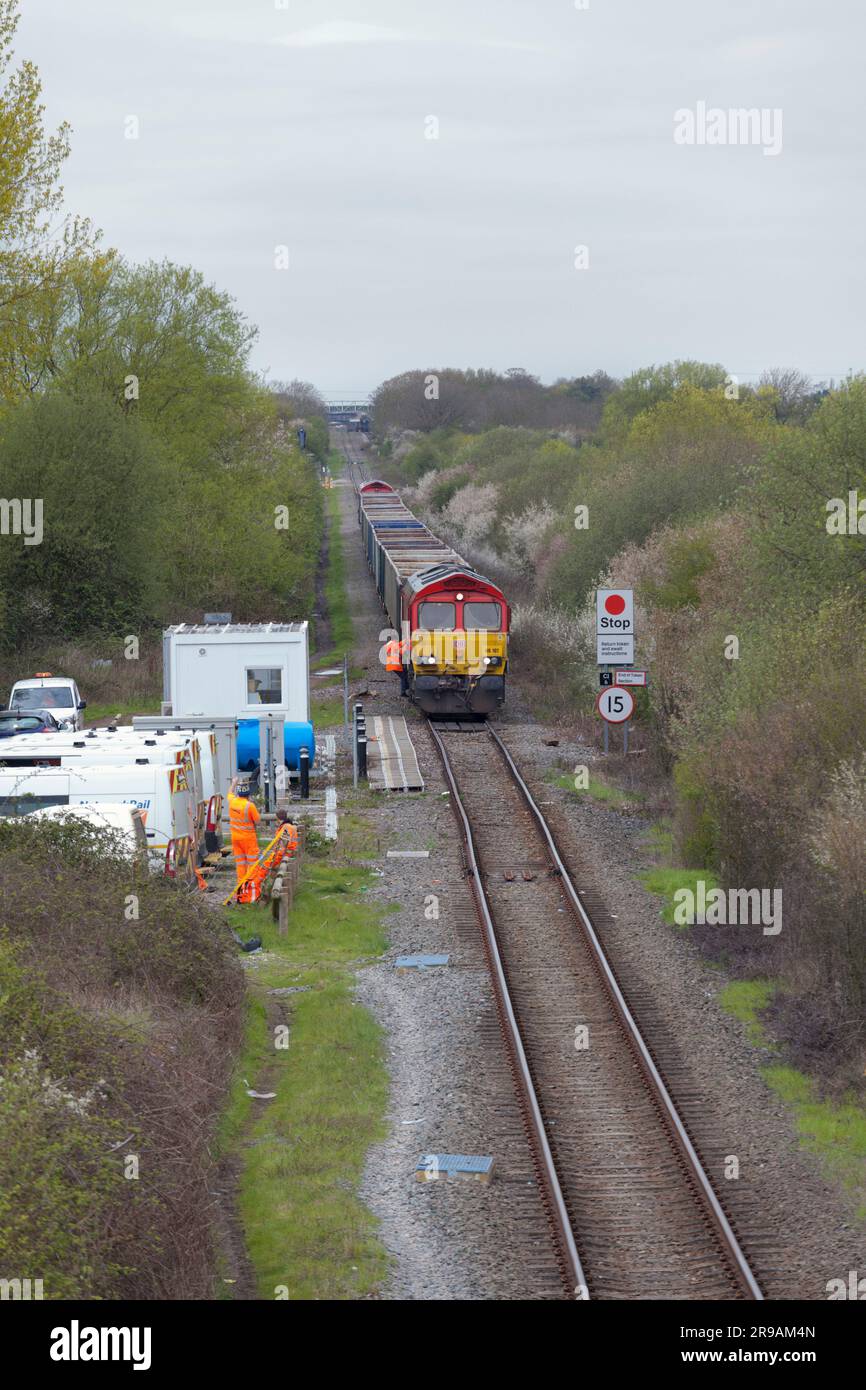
453,621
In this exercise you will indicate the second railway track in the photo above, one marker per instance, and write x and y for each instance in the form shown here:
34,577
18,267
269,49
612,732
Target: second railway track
632,1210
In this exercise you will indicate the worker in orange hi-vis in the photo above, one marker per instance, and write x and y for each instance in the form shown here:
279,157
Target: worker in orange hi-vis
243,819
284,845
395,660
288,835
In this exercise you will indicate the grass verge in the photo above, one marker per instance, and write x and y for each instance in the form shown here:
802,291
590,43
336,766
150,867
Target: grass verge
745,999
104,714
836,1132
336,596
666,882
328,710
596,790
302,1153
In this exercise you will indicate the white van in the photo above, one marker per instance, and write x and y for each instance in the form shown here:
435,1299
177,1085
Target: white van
205,754
103,747
58,694
204,741
126,824
162,792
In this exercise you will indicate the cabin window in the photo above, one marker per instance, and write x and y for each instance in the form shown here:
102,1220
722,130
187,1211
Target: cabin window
441,616
478,616
264,685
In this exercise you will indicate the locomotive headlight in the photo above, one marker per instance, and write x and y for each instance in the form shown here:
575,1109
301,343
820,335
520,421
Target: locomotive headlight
431,660
491,660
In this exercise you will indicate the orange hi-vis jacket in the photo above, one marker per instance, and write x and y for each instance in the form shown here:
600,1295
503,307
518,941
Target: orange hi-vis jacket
394,652
285,844
289,838
243,819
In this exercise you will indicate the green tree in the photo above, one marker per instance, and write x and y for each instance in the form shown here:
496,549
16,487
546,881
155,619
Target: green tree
805,470
684,458
157,339
101,481
34,256
650,385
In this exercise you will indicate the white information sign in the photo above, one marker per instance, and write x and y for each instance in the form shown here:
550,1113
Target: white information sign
613,650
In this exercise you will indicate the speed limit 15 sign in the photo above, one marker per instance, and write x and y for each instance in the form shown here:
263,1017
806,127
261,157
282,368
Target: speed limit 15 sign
615,704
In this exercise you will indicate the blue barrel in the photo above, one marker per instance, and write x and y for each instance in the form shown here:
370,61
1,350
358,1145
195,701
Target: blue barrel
298,735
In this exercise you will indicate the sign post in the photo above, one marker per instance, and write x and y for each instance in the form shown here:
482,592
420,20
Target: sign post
614,630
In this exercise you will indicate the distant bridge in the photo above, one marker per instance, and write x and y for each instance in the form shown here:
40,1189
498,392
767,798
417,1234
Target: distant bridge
344,412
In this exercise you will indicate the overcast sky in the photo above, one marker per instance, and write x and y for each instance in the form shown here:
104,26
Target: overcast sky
304,124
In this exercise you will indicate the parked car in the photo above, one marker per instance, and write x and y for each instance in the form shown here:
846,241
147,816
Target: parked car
59,695
39,722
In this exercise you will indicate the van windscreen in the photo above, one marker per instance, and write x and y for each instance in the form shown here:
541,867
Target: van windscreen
42,697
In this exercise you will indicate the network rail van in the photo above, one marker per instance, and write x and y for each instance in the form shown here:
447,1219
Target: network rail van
106,746
162,792
205,754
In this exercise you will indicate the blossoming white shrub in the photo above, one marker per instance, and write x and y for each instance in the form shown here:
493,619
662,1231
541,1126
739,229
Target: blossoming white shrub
471,512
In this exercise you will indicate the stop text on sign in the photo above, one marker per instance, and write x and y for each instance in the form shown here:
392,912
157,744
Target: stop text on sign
614,611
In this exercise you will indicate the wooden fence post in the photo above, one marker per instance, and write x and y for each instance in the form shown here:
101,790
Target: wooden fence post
289,872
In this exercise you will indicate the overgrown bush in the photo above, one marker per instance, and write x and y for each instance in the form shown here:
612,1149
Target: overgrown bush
121,1012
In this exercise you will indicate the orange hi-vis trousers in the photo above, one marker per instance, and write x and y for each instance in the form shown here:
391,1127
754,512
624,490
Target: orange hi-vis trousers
243,819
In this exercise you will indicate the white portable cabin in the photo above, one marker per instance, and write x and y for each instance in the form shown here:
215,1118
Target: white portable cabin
242,669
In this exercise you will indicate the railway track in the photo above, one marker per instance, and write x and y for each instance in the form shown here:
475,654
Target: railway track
632,1210
357,468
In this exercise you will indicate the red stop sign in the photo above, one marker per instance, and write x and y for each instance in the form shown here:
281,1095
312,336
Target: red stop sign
614,603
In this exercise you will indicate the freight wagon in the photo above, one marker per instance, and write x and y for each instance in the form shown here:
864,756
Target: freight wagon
454,621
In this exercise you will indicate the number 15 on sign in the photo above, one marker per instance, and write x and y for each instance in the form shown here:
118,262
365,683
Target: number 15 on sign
615,704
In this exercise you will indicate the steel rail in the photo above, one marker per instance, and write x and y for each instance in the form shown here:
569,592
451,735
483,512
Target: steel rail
651,1073
569,1259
